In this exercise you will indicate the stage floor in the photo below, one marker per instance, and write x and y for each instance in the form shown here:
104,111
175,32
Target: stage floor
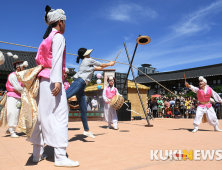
125,149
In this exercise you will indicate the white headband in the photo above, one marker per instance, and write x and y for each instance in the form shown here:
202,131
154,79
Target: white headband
201,78
24,64
55,15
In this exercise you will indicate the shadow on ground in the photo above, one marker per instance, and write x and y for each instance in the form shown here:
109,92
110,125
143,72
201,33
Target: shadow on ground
21,134
124,131
81,138
73,128
190,130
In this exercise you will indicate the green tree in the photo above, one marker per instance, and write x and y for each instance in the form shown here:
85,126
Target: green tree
218,89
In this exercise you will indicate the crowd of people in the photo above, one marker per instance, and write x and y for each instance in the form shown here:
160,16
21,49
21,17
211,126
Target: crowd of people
176,107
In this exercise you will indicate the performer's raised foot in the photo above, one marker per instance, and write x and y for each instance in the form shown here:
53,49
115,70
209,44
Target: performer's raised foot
35,160
217,129
195,130
66,163
89,134
14,135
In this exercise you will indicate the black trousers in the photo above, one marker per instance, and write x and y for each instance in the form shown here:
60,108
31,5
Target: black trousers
154,113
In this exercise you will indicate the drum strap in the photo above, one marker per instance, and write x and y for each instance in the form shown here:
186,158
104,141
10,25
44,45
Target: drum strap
131,110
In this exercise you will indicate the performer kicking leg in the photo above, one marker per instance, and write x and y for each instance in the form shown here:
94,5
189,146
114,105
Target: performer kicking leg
204,92
14,89
52,125
83,77
108,93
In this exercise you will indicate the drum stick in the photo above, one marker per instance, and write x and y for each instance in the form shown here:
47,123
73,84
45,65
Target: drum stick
117,55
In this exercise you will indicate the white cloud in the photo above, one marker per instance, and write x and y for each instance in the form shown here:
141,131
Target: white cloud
196,21
130,12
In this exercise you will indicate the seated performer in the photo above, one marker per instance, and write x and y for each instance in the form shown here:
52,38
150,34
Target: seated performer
14,89
83,77
108,93
65,82
52,125
204,93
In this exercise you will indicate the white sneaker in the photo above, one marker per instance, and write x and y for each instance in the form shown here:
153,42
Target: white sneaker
89,134
67,162
39,159
116,128
7,132
195,130
13,135
217,129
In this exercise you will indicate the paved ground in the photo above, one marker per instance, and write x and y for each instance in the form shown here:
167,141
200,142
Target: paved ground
125,149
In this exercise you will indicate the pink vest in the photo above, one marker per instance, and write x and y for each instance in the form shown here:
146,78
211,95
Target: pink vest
110,94
44,55
10,88
202,97
66,85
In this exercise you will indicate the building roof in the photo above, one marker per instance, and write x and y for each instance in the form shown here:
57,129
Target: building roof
130,85
205,71
22,55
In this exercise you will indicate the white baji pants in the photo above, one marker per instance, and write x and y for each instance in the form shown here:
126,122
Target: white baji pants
59,153
110,115
210,114
12,113
52,125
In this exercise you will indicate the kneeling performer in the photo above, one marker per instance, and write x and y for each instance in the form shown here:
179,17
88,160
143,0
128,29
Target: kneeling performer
108,93
204,93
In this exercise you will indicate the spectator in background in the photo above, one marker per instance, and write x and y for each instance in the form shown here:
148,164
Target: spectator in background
88,102
177,113
182,107
163,108
94,103
101,103
154,107
188,105
167,104
193,111
168,113
160,105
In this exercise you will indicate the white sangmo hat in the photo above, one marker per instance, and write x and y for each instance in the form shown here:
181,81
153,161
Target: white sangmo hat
66,70
201,78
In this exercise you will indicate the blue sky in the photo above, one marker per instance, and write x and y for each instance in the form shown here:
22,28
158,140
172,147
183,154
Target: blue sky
184,34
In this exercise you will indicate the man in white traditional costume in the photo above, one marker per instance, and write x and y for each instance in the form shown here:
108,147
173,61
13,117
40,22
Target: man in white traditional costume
14,88
108,93
204,93
52,125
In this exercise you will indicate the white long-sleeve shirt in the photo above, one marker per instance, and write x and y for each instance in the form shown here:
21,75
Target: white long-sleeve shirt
104,93
14,82
213,94
58,46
